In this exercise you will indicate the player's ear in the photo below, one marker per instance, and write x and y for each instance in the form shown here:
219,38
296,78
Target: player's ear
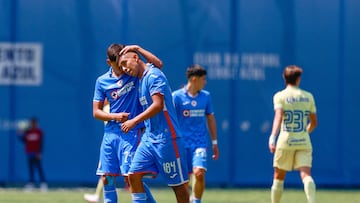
108,62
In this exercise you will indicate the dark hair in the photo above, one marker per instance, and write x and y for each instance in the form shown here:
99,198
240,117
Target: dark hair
113,52
291,74
195,70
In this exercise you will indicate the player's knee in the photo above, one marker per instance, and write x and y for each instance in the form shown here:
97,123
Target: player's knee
108,180
127,182
199,173
278,185
182,192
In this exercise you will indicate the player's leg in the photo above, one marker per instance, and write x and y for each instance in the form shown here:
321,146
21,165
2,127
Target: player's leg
98,191
283,161
143,163
41,171
171,162
130,144
31,184
99,187
31,161
199,164
199,184
43,184
182,193
109,165
110,194
309,184
277,187
138,193
303,161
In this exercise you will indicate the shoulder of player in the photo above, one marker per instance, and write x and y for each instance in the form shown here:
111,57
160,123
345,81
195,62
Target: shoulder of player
104,76
279,92
204,92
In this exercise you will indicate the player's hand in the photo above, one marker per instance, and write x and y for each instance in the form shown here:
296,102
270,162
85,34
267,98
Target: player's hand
128,125
272,143
215,149
121,117
129,48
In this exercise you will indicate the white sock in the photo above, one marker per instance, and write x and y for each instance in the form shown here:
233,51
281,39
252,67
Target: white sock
276,190
309,188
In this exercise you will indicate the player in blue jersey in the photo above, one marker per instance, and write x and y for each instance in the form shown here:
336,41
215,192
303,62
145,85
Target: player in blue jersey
121,91
295,118
196,117
161,148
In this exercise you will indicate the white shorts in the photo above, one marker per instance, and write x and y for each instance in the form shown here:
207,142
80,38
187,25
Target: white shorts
288,159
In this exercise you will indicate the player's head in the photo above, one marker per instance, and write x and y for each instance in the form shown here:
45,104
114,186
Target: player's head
129,62
33,122
292,74
196,74
113,54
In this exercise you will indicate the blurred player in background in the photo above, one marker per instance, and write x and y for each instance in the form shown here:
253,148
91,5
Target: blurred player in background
295,118
196,116
33,138
161,148
121,91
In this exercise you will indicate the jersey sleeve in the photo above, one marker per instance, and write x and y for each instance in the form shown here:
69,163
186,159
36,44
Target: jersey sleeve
277,100
99,94
157,83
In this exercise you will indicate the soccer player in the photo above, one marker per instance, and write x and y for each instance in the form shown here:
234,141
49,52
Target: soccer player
295,118
121,91
161,148
33,138
196,115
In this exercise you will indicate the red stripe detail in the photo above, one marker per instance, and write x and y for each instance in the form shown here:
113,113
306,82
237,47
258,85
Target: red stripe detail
173,133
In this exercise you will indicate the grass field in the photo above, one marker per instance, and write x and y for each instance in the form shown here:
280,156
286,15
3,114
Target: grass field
165,195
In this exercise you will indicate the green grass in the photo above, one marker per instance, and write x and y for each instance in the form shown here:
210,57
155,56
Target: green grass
165,195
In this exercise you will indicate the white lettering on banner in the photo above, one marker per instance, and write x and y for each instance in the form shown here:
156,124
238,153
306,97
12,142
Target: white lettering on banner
21,64
233,66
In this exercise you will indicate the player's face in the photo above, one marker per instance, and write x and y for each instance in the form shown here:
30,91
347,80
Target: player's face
129,64
201,82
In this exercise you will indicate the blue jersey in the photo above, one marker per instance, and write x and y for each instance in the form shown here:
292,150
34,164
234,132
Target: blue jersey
191,113
163,125
121,93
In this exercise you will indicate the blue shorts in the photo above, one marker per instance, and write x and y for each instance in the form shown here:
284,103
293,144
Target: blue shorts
116,151
166,158
196,158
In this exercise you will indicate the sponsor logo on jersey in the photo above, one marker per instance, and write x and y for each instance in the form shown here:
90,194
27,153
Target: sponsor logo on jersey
194,113
291,100
123,90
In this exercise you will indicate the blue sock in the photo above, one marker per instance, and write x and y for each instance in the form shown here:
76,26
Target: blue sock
197,201
110,195
138,197
150,197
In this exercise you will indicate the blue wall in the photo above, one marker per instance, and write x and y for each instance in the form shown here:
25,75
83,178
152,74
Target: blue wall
243,44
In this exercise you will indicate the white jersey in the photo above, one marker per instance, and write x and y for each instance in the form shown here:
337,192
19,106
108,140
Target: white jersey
297,105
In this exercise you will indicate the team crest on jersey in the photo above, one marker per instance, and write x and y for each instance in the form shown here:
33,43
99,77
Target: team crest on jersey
114,94
193,103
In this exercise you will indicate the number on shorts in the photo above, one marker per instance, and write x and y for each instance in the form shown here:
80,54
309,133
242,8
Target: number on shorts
169,167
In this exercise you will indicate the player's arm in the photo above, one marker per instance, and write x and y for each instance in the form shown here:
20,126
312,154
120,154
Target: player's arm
275,129
100,114
150,57
156,106
313,123
212,129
